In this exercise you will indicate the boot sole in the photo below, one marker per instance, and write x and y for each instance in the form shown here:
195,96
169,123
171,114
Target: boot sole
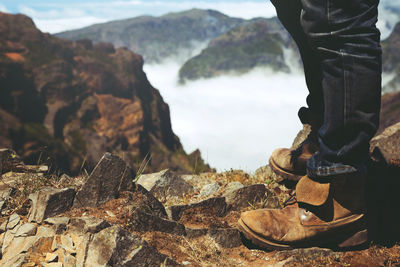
351,241
284,174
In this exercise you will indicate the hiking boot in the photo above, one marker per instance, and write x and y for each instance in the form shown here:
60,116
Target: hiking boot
290,164
326,213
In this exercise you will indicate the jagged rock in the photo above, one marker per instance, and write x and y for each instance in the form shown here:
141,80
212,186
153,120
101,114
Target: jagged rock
142,200
143,222
116,247
51,257
65,258
165,183
44,231
57,220
82,243
49,202
13,220
16,261
8,160
209,189
232,186
386,146
85,225
227,238
27,229
217,204
18,245
109,177
250,195
5,191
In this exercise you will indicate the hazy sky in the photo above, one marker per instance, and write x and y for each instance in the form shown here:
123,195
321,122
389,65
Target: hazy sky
55,16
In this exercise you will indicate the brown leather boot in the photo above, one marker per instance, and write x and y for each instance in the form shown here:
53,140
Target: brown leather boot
290,164
326,214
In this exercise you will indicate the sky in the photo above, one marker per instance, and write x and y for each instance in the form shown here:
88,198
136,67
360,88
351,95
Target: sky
55,16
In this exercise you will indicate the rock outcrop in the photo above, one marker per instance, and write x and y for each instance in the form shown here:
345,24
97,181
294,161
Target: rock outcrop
67,103
130,226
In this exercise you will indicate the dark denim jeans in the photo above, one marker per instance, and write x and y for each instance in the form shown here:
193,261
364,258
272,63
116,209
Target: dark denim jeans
340,48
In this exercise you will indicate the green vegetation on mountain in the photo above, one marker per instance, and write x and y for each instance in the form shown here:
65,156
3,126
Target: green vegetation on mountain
159,38
260,43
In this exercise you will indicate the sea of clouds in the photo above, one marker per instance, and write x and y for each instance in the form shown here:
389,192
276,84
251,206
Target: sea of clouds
236,121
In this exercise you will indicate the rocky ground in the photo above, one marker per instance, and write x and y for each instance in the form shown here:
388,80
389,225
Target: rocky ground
114,217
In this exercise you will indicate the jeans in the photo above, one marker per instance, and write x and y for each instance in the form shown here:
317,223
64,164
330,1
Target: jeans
340,48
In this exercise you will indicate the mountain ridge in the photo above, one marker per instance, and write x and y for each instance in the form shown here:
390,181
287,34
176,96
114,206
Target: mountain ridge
158,38
69,102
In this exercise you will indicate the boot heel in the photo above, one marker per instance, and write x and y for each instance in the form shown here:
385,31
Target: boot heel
355,240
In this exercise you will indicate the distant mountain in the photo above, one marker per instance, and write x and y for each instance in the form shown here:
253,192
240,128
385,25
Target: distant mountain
66,103
262,42
173,35
391,60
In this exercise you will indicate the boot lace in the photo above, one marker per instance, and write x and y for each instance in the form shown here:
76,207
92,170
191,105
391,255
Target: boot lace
291,200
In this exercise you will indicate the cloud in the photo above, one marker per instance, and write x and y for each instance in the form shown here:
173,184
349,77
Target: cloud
4,9
236,121
60,16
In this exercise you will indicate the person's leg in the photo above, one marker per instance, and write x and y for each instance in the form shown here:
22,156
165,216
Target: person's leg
348,42
290,163
289,12
329,206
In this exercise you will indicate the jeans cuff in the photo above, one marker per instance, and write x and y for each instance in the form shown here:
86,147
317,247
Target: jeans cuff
317,167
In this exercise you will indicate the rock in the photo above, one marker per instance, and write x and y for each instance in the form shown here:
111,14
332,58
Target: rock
250,195
141,199
27,229
8,160
7,239
53,264
232,186
115,246
165,183
386,146
17,246
227,238
51,257
3,226
57,220
109,177
13,221
143,222
217,205
67,244
44,231
49,202
87,225
66,258
6,191
17,261
81,248
209,189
